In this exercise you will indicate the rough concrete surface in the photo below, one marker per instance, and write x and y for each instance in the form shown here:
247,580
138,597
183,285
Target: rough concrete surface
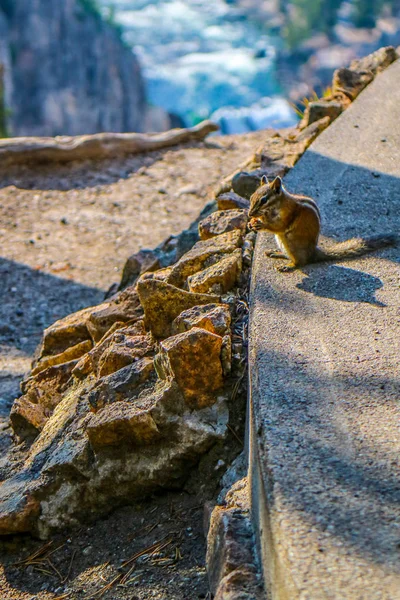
325,374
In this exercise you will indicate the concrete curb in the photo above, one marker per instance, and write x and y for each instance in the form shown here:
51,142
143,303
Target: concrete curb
324,375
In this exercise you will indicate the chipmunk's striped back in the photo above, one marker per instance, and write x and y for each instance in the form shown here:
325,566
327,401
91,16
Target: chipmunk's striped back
311,204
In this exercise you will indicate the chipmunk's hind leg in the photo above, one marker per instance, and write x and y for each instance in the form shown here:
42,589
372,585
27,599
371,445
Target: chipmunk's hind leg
280,252
297,261
276,254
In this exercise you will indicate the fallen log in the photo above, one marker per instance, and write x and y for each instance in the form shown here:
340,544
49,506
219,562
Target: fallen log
100,145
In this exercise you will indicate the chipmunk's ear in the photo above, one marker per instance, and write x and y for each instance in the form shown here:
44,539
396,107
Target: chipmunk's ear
264,180
277,184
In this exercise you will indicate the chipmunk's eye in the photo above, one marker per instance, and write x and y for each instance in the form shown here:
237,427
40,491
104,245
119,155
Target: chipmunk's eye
263,200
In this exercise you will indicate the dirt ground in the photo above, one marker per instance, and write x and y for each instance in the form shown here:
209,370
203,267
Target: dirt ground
65,233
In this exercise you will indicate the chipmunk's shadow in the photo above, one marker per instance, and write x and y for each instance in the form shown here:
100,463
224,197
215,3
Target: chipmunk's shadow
342,283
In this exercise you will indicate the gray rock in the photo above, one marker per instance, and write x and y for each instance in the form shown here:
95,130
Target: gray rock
83,464
231,200
245,184
232,566
350,83
376,62
222,221
319,109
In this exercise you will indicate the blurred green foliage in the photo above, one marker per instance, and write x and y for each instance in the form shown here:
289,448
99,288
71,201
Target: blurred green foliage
304,18
91,6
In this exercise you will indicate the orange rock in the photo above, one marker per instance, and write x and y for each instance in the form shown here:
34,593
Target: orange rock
212,317
41,394
124,350
124,307
121,423
218,278
163,302
203,254
193,360
71,353
66,332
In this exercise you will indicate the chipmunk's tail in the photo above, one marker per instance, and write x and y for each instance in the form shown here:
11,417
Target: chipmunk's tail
355,247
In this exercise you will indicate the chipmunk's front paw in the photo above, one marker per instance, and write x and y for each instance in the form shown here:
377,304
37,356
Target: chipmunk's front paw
256,224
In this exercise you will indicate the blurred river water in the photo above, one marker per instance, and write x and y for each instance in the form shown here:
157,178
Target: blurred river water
204,59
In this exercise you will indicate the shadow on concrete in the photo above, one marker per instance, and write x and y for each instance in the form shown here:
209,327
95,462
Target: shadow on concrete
82,174
301,443
342,283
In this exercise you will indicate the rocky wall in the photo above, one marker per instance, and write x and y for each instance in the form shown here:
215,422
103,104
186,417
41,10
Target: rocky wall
124,398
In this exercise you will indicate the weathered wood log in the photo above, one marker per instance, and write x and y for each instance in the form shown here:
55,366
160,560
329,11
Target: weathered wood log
97,146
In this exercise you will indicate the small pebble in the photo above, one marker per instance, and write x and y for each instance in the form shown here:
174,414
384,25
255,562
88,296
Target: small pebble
59,590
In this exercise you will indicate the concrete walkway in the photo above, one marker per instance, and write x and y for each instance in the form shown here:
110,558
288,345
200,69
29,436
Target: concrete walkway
325,374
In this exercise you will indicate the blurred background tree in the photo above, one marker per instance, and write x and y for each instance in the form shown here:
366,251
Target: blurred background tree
304,18
3,115
366,12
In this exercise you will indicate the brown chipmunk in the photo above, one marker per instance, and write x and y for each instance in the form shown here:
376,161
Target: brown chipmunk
296,222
